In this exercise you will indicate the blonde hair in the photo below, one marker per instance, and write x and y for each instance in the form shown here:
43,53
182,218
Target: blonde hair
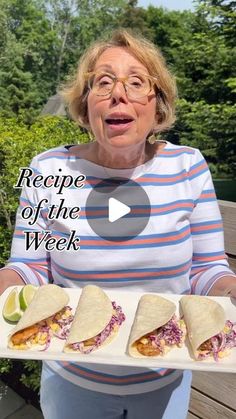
76,91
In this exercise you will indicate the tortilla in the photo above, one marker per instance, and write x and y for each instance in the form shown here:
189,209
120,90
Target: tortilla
204,318
47,301
153,312
93,313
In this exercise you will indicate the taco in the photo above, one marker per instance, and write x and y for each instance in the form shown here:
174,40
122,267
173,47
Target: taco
156,328
47,315
96,322
210,334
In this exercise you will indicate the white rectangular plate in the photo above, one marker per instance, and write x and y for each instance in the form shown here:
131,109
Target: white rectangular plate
115,352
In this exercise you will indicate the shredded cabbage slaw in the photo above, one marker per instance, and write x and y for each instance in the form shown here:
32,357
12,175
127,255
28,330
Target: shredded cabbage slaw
57,325
117,319
172,333
221,343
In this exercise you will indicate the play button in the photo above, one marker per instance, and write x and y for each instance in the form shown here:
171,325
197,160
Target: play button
117,209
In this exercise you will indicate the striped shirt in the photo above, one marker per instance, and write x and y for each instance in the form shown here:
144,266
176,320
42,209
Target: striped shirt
181,250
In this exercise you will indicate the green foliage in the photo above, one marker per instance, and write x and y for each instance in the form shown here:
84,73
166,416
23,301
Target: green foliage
5,365
31,378
19,142
134,17
210,128
40,43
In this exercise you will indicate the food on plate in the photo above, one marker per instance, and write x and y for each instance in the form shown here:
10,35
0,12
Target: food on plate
47,316
11,310
156,328
96,322
210,334
26,295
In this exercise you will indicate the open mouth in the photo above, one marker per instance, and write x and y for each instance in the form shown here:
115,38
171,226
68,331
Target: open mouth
111,121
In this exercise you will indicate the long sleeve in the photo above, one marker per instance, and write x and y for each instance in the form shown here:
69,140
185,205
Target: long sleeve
209,261
32,265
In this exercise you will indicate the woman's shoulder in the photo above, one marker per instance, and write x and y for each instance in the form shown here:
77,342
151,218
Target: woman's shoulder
62,152
178,149
182,153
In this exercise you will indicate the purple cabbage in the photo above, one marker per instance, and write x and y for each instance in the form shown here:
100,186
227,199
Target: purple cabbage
116,319
221,342
171,333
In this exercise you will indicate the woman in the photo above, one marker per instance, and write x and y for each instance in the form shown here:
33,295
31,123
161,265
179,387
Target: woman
124,94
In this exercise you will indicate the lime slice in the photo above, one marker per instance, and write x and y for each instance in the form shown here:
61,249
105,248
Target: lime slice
26,295
11,309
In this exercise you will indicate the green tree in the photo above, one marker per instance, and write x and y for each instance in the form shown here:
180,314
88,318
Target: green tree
18,144
135,18
222,15
210,127
41,42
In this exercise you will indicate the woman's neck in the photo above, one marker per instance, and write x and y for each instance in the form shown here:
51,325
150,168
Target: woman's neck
121,159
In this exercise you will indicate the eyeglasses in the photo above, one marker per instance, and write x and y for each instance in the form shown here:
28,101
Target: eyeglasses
136,85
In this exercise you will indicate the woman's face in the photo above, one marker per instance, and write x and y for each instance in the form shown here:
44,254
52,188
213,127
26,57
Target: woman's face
117,120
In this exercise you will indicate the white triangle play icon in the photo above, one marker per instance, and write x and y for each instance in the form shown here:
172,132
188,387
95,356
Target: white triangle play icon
117,209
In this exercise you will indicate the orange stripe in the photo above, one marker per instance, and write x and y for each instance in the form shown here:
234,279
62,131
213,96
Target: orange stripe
97,377
131,242
209,258
197,169
204,228
118,275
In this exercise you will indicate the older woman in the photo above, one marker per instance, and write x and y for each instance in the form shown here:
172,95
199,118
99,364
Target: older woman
124,95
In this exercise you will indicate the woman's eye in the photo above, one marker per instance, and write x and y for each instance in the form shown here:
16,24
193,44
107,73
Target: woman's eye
104,81
135,82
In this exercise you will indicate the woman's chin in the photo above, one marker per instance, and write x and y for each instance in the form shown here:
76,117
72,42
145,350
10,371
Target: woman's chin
121,141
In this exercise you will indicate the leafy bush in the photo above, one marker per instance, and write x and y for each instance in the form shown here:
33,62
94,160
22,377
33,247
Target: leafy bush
5,365
211,128
31,378
19,142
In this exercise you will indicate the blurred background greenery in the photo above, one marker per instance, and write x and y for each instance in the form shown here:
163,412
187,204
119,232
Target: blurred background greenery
41,42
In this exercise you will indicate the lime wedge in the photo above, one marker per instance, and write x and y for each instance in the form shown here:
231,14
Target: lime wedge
11,309
26,295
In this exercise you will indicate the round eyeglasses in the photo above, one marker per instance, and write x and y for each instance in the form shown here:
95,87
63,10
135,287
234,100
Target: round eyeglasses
136,85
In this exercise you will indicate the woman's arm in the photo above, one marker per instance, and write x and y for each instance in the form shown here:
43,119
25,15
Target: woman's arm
27,265
210,272
224,286
9,277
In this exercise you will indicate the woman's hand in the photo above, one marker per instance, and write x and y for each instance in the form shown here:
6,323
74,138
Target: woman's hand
224,286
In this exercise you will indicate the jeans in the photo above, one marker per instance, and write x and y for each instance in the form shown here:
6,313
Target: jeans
61,399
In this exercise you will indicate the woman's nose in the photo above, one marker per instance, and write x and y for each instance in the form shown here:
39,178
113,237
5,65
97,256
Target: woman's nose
119,91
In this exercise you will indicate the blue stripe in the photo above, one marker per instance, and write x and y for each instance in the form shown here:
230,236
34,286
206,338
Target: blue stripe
27,201
205,191
123,278
99,374
27,260
135,246
43,274
206,223
200,200
121,271
26,228
204,265
140,237
134,207
209,254
176,154
36,171
212,230
204,170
